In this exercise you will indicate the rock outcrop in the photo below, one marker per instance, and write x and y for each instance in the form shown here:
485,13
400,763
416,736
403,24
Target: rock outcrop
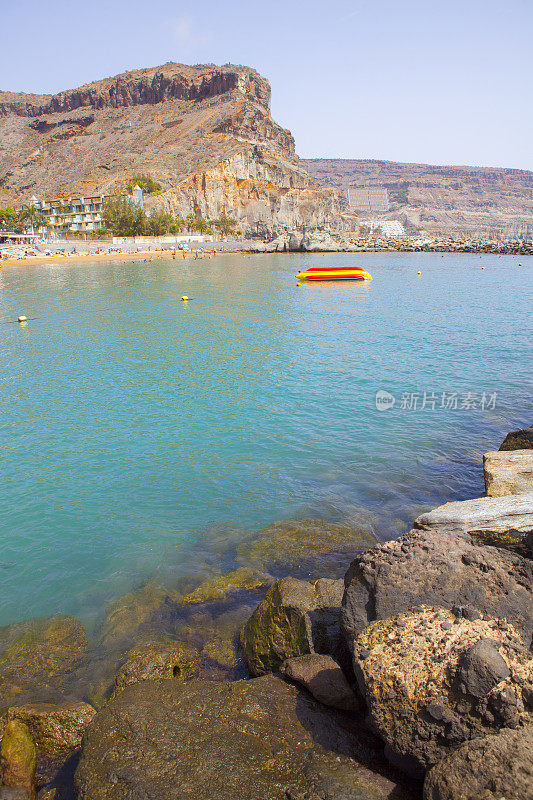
254,740
18,758
486,768
501,521
294,619
54,727
204,132
518,440
508,472
432,680
172,661
438,568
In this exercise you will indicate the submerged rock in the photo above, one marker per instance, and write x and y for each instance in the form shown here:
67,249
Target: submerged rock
304,547
38,653
323,677
223,586
54,728
486,768
295,618
500,521
518,440
442,569
508,472
18,758
172,661
135,614
432,680
253,740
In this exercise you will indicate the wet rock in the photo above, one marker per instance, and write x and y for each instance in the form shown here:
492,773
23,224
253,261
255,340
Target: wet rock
18,758
253,740
135,615
305,547
223,586
438,568
508,472
295,618
37,653
16,794
54,728
426,687
500,521
172,661
518,440
486,768
323,677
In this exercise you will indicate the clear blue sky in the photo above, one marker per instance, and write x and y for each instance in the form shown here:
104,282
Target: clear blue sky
441,82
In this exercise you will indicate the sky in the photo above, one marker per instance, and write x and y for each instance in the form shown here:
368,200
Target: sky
437,82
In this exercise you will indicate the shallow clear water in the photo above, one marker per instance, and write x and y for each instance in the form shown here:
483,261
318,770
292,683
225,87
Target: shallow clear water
139,434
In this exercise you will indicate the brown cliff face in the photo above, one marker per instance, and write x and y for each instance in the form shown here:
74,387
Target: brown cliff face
189,127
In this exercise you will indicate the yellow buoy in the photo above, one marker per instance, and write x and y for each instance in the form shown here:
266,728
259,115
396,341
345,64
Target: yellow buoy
419,272
184,297
482,267
22,318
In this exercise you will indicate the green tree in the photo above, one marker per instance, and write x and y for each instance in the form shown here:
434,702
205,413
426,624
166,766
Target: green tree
32,219
9,219
225,225
123,217
145,181
160,223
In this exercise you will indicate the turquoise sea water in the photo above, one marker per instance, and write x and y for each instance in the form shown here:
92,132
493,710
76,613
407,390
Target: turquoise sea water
138,433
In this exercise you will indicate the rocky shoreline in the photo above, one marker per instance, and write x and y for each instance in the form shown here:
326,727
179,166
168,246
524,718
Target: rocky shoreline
410,678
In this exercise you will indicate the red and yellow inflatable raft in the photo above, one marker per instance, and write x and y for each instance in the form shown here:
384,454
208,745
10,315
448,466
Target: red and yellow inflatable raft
334,274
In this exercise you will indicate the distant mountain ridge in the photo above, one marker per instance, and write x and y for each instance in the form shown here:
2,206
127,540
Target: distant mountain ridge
455,200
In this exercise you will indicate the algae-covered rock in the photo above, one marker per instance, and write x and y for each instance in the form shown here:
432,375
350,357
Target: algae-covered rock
432,680
136,614
509,472
221,587
252,740
304,547
54,727
486,768
518,440
323,677
39,652
172,661
18,758
295,618
437,568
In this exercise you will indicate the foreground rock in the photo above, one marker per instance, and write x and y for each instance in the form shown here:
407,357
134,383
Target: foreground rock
442,569
508,472
54,728
18,758
253,740
486,768
38,653
305,547
501,521
432,680
518,440
323,677
295,618
172,660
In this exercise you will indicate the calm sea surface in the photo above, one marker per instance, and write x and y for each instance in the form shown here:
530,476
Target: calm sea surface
138,434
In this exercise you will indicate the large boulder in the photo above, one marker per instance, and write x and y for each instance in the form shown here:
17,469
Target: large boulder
54,727
253,740
500,521
295,618
305,547
433,680
486,768
18,758
508,472
323,677
437,568
518,440
38,653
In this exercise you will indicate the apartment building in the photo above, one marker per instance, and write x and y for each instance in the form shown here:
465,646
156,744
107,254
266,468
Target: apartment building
72,214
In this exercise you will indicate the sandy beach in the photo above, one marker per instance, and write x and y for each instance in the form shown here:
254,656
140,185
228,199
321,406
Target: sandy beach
138,255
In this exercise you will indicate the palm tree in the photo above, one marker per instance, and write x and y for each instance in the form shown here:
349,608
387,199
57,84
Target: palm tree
32,218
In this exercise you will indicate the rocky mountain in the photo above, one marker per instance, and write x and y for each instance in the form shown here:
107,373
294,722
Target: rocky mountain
472,201
204,132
